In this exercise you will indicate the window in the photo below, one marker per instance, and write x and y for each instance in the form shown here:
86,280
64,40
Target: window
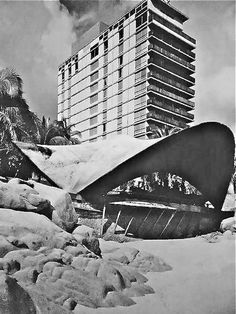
104,116
140,62
141,48
121,48
120,85
105,45
140,88
93,98
94,51
106,58
139,115
94,109
105,105
139,128
119,110
69,70
105,70
104,127
120,60
105,82
121,34
119,122
140,102
119,131
141,75
63,76
93,87
120,97
93,120
76,66
105,93
119,73
94,76
141,19
94,65
93,131
140,35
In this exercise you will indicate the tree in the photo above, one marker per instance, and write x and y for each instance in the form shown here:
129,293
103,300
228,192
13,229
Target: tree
18,120
59,133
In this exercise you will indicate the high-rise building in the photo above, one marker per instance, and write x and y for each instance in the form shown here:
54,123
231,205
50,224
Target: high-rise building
131,77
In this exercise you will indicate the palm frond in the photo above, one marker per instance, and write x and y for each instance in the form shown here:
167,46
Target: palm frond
10,83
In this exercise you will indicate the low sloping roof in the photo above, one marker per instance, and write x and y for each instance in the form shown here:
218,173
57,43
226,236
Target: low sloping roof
203,155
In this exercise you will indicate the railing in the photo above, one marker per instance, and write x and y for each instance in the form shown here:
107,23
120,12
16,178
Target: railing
171,95
185,51
171,82
172,56
163,64
154,115
171,108
169,25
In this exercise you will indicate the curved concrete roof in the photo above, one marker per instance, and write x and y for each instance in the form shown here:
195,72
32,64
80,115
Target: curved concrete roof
202,154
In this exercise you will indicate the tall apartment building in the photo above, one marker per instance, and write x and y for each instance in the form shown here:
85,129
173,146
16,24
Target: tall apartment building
130,77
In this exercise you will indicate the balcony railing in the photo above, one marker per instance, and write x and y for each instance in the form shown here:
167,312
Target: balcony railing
163,64
172,56
169,25
171,95
172,108
160,37
171,82
154,115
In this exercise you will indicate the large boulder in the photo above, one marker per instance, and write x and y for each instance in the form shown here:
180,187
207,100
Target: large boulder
23,197
88,237
33,229
64,214
13,298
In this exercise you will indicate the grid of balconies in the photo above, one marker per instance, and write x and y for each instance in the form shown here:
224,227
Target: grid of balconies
167,67
172,43
174,97
161,20
170,107
172,83
154,117
172,56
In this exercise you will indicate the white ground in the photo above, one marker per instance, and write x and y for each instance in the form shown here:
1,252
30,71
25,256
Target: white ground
202,280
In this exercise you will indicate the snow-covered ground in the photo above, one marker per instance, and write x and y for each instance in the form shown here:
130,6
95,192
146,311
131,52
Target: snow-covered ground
202,280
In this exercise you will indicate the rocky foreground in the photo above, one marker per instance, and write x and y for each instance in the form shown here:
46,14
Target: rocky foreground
48,264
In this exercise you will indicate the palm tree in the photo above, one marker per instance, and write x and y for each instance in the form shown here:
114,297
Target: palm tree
59,133
25,125
17,122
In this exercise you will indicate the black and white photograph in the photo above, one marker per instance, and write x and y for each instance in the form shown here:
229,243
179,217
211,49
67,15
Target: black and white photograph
117,157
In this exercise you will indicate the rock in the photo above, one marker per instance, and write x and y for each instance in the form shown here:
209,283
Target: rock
228,224
138,290
5,246
33,229
123,255
70,304
88,237
145,262
13,298
26,275
76,250
84,231
92,244
63,214
115,298
228,235
22,197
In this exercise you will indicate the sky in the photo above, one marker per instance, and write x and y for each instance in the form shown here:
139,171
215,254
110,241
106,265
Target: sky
36,36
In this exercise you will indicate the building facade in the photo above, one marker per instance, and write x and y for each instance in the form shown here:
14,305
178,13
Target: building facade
130,77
